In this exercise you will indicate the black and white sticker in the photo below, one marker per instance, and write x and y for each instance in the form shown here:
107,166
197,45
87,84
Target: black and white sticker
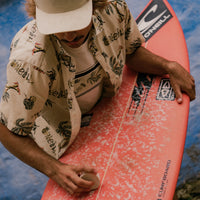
154,17
140,93
165,91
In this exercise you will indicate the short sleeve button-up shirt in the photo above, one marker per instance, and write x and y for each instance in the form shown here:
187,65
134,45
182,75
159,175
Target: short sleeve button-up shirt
39,100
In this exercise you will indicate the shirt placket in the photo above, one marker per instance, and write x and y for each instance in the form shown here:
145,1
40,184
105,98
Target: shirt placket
68,72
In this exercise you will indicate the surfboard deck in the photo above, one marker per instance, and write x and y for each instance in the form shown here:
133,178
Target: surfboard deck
136,139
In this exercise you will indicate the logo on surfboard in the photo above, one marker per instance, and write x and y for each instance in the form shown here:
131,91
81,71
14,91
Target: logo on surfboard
140,93
164,183
155,16
165,91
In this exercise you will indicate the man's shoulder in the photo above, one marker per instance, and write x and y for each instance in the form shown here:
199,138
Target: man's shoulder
114,13
31,46
114,6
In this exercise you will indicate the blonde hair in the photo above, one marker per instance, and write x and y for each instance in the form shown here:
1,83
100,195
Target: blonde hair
30,8
31,11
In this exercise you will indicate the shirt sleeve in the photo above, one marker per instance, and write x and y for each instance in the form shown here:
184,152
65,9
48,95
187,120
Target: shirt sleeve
133,37
23,99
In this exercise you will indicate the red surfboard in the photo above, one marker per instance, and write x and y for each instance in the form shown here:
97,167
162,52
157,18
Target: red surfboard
136,139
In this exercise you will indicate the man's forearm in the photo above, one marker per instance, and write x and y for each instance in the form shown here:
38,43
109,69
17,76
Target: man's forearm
27,151
145,61
67,176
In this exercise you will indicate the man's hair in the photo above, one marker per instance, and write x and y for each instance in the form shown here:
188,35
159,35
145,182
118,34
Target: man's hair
30,6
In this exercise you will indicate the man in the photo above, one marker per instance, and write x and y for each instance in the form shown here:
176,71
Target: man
60,65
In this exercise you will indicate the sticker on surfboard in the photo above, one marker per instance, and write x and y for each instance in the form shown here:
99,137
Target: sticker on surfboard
165,91
155,16
140,92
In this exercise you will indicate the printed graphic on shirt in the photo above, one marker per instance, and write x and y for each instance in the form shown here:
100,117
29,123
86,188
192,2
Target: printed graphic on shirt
115,63
64,129
136,44
86,119
49,139
14,44
3,119
14,87
49,103
87,80
32,33
113,36
19,68
58,94
66,61
22,128
29,102
38,48
115,5
52,76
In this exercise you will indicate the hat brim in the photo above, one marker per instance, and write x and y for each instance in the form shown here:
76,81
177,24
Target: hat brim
78,19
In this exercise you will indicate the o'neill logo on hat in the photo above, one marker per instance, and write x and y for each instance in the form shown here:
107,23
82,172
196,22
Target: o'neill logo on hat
154,17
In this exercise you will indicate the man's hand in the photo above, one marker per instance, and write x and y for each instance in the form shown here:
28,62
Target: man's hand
145,61
181,81
68,177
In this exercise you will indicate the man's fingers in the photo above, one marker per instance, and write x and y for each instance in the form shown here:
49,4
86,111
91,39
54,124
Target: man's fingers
179,100
181,81
81,183
188,88
178,94
191,91
69,178
192,95
68,188
74,184
80,169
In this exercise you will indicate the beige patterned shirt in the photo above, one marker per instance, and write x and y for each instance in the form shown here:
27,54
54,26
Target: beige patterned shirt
39,99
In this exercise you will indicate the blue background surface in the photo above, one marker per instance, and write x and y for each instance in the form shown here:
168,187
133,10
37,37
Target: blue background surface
17,180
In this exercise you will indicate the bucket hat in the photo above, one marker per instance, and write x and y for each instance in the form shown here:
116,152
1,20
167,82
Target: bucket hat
54,16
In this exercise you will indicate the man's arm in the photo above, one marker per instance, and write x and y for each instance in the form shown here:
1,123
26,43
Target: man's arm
28,151
146,62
